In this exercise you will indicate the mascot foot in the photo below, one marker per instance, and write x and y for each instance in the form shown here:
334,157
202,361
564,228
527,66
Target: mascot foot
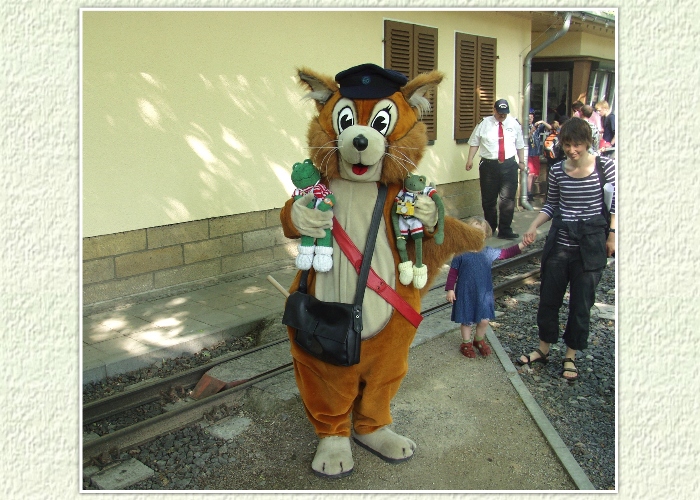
333,457
323,259
305,257
420,276
387,445
406,272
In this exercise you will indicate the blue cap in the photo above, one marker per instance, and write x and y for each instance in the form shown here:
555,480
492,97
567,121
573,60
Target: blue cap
369,81
501,106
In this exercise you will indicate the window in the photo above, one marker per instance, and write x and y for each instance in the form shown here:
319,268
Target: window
601,87
412,49
550,96
475,82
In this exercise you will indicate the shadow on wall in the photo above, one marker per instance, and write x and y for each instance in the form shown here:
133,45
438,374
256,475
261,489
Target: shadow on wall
164,148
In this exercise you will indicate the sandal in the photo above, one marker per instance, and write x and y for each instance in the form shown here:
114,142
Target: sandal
482,347
572,370
467,349
542,359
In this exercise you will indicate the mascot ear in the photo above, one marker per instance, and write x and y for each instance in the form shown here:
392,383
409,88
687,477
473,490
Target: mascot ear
415,90
321,87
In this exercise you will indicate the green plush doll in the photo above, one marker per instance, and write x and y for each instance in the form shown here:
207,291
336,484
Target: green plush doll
316,252
405,224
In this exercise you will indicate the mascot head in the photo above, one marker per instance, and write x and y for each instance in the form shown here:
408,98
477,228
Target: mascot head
368,125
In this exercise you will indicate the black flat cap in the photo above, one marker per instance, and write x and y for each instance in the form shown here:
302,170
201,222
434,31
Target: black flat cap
369,81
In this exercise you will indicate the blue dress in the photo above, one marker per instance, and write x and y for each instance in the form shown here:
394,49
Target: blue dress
474,288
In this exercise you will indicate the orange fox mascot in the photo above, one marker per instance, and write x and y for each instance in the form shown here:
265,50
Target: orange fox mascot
367,131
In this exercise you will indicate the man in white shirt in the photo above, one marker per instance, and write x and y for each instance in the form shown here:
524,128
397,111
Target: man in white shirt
497,139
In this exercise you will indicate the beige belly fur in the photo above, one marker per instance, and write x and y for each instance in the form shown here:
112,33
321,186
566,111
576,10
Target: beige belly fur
353,209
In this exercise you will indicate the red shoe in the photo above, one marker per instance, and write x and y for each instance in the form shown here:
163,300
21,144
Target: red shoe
482,347
467,350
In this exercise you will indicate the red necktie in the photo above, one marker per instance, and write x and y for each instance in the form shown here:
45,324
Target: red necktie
501,144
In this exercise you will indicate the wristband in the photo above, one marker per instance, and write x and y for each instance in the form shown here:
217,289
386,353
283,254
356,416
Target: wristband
612,230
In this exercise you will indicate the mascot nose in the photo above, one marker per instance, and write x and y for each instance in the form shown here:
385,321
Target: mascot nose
360,142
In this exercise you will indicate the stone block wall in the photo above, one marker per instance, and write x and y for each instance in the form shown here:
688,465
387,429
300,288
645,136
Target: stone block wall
152,260
462,199
116,266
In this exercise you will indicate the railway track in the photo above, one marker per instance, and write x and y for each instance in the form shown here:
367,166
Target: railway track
190,411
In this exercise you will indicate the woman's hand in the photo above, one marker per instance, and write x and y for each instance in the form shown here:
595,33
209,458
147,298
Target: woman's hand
530,236
610,244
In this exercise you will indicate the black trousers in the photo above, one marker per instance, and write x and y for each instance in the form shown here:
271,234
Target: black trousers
499,183
564,267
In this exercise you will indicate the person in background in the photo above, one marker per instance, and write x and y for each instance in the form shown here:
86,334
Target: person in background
498,138
577,247
597,120
587,114
552,151
576,109
535,140
469,289
608,139
550,148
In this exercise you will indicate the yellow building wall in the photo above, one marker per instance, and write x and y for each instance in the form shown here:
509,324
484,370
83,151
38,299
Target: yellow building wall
193,115
578,44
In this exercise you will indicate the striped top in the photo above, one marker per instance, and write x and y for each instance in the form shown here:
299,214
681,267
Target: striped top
577,199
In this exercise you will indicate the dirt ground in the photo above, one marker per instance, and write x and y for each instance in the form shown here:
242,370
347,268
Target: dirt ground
472,430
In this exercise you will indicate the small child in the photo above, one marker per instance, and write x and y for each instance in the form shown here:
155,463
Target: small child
472,298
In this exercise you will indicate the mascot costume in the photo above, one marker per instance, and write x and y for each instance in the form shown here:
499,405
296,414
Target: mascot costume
367,132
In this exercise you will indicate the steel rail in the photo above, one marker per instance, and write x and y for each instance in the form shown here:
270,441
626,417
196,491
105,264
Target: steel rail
171,421
193,411
517,261
144,393
151,391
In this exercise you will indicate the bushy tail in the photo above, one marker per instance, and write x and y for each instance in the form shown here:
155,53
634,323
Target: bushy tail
459,238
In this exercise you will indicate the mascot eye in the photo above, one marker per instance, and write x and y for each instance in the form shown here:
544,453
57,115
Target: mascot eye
345,119
382,121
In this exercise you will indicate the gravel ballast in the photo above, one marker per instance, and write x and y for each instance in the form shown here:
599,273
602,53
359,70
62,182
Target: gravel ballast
582,412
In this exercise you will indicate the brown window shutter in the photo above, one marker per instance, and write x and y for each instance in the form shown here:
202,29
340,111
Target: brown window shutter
465,99
425,57
412,49
398,47
486,76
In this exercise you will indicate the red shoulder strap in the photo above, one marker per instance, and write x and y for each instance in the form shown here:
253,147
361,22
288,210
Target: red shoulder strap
374,282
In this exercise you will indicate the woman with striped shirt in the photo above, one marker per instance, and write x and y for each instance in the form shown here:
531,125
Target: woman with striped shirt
577,247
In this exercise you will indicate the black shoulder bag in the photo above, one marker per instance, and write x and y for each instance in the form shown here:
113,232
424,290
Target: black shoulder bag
332,331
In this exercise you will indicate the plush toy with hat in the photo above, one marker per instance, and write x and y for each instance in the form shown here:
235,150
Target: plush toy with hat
406,225
367,131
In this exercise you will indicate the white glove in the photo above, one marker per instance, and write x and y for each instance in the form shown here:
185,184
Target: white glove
426,210
309,221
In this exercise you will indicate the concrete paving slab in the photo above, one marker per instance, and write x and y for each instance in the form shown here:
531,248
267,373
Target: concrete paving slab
122,475
604,311
526,297
229,428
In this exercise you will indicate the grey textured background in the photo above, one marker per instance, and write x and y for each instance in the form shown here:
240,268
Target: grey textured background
658,78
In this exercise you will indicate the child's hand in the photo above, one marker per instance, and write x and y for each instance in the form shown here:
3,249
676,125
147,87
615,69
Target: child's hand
451,296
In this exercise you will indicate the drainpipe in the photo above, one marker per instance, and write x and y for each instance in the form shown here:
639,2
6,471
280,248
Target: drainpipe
526,101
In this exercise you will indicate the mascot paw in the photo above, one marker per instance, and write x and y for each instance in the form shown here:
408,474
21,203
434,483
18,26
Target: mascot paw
333,457
305,257
387,445
406,272
323,259
420,276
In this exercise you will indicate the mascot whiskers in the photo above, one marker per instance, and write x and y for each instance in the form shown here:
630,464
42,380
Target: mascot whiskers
367,132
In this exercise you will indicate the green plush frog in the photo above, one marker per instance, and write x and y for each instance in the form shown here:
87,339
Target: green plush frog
405,224
316,252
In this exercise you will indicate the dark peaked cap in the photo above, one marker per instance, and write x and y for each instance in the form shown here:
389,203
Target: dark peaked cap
369,81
